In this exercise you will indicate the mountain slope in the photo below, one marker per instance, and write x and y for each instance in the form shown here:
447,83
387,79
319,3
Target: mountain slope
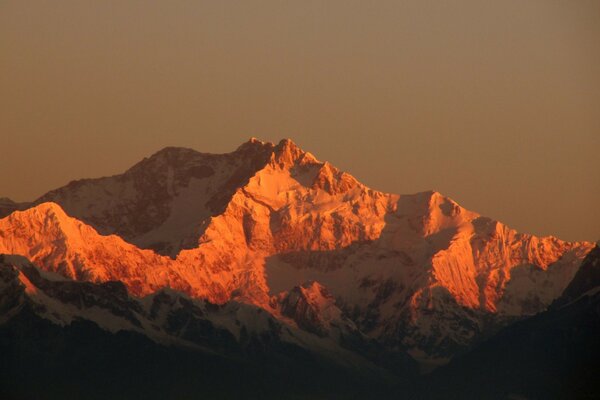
233,336
553,355
412,271
162,202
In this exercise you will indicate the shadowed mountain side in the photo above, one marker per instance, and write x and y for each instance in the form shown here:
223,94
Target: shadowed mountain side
552,355
166,202
241,333
46,361
7,206
429,282
163,202
586,279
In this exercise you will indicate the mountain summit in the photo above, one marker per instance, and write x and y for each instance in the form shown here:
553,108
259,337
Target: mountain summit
411,272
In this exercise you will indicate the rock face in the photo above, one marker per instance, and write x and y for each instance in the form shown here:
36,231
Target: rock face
552,355
413,271
585,282
313,309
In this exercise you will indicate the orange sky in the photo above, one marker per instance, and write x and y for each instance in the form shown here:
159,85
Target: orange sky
494,104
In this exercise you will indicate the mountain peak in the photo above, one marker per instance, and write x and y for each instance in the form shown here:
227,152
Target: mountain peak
238,225
287,142
288,153
170,156
254,144
255,140
43,209
311,306
173,152
6,200
334,181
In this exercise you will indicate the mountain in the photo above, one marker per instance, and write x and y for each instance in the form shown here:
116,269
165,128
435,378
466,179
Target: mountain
416,272
49,323
163,202
267,253
7,206
585,282
552,355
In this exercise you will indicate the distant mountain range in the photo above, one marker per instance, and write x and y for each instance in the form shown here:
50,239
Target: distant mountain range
267,273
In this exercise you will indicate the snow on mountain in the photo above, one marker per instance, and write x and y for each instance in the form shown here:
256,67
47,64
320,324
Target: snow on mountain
47,236
163,202
313,309
167,317
551,355
411,271
65,245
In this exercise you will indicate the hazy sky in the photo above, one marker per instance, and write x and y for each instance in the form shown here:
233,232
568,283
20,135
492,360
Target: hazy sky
495,104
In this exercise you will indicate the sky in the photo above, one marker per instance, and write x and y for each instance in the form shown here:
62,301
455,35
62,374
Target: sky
495,104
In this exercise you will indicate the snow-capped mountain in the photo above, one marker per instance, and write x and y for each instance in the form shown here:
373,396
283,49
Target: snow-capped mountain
272,227
163,202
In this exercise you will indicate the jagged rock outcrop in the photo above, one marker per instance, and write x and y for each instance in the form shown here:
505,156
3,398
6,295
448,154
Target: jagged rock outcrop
313,309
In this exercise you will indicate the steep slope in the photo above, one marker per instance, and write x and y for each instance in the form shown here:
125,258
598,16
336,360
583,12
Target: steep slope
585,282
48,237
553,355
313,309
415,271
163,202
